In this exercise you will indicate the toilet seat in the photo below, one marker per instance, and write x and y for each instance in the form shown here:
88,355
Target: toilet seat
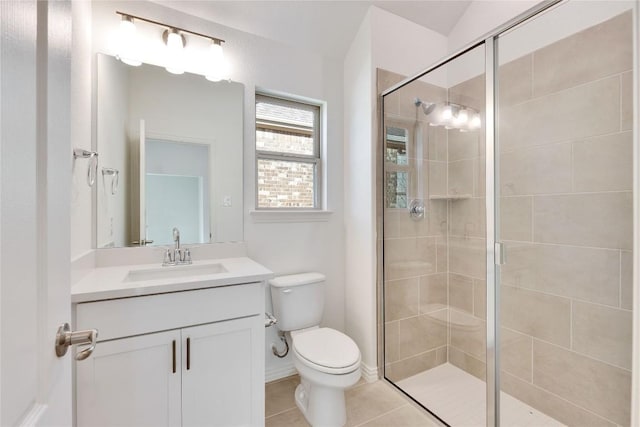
327,350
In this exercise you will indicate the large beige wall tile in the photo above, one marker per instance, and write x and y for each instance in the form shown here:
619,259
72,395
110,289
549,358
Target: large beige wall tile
601,220
468,218
626,89
460,180
563,116
583,273
539,170
515,218
626,285
433,292
603,163
467,257
515,81
470,93
604,333
480,298
540,315
436,143
461,292
550,404
409,257
515,353
391,341
464,145
468,333
442,248
386,79
480,178
414,365
598,51
435,178
604,389
390,104
467,363
398,222
423,333
401,298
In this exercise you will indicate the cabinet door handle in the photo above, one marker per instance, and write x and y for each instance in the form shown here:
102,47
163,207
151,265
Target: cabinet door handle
188,353
173,345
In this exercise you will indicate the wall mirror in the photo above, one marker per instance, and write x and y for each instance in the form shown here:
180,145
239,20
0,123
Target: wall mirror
170,155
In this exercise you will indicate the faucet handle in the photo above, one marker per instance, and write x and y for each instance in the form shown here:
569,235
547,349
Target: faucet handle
177,255
168,258
186,256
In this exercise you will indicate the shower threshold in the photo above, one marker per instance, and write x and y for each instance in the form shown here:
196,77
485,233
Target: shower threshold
458,398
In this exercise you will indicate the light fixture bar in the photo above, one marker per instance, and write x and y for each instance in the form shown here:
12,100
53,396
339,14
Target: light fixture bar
151,21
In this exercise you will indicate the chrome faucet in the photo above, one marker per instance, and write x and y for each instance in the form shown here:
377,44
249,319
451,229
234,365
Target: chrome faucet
176,238
178,256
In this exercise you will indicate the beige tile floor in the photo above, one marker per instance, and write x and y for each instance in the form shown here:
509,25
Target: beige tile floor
368,404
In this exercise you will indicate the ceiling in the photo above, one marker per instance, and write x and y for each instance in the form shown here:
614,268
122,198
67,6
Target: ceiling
324,26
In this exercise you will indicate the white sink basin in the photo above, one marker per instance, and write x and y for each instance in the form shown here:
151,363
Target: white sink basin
173,272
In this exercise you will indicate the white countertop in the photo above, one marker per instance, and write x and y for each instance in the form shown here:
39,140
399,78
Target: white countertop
110,282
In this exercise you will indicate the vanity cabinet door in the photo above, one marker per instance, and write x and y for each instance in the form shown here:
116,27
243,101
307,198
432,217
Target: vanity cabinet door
223,373
131,382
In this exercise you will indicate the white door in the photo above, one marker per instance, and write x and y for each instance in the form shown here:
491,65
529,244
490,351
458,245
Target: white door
222,376
35,165
131,382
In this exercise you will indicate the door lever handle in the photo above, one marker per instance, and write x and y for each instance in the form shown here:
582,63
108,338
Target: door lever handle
65,338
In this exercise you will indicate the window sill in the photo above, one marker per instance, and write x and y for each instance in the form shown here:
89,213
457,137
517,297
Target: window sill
290,215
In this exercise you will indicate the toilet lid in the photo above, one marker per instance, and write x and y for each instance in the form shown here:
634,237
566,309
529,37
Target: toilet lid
327,347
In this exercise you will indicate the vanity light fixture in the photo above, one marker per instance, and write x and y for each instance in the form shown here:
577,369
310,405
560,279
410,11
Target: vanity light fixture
174,38
451,115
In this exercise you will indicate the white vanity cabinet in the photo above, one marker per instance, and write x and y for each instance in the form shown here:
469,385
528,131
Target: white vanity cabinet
192,358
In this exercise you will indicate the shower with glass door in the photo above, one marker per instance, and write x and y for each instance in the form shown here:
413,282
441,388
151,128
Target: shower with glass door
508,224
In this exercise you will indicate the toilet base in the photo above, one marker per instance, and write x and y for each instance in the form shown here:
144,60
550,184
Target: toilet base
321,406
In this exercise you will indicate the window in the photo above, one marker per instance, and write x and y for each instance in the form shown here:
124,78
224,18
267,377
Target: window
287,154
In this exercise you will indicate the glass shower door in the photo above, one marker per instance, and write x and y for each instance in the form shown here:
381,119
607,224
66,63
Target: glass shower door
564,137
434,239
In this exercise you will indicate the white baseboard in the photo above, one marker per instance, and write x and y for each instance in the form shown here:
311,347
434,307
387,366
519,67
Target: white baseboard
279,372
369,374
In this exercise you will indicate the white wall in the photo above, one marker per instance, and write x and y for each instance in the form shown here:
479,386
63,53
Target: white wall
385,41
359,201
288,247
81,132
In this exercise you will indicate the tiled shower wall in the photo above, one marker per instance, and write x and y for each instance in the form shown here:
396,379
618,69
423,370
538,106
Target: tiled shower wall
415,282
566,211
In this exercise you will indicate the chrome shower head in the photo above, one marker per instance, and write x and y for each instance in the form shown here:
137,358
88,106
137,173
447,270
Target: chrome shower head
428,107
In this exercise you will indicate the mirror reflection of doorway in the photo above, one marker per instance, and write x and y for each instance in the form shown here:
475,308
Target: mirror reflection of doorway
177,191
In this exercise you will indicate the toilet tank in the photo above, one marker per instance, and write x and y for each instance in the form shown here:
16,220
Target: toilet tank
298,300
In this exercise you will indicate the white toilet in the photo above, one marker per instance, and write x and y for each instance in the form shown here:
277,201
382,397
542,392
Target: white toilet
328,361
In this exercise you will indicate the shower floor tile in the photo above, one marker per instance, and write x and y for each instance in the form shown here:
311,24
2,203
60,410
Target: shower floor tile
458,398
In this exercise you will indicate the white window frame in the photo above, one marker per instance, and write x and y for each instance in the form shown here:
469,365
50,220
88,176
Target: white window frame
315,159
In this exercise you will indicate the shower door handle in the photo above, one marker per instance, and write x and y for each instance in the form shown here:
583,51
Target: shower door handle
500,253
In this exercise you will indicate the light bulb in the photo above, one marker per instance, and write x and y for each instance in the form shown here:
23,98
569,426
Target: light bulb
175,44
475,122
447,113
128,42
217,68
462,117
